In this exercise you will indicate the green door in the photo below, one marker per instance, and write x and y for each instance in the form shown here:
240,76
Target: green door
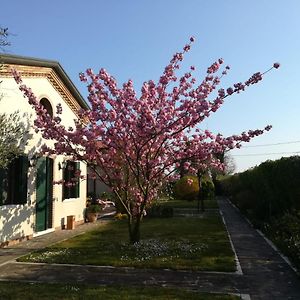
44,188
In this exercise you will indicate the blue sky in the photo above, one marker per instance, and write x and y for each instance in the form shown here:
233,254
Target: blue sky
135,39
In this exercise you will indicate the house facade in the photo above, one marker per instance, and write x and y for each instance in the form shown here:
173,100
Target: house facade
30,204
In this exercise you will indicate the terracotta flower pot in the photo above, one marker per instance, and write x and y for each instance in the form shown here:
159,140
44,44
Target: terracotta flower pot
92,217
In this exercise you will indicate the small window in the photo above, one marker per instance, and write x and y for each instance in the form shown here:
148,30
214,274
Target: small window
71,182
13,182
47,105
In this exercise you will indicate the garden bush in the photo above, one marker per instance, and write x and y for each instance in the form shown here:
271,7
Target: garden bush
160,211
185,191
119,207
208,188
285,233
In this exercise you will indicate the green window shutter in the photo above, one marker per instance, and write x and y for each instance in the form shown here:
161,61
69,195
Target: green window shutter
3,188
69,176
65,177
21,180
14,182
49,192
77,186
49,179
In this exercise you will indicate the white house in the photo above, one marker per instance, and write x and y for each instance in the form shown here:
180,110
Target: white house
30,204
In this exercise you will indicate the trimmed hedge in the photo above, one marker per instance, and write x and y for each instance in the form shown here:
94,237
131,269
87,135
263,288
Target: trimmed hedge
285,233
268,190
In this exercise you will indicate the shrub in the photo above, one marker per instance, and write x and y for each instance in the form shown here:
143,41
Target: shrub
93,208
185,191
119,207
243,199
285,233
120,216
167,212
208,188
160,211
154,210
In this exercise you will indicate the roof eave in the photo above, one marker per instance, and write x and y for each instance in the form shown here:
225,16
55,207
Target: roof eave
30,61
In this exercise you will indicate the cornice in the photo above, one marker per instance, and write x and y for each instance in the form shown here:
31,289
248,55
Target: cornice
44,72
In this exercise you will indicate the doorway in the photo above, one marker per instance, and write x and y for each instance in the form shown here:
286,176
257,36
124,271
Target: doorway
44,194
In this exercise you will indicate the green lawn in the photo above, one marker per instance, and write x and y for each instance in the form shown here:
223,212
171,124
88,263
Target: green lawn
208,204
29,291
175,243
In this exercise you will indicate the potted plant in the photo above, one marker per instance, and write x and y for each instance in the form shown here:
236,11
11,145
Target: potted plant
92,212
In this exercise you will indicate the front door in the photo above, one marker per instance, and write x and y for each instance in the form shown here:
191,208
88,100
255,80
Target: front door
44,192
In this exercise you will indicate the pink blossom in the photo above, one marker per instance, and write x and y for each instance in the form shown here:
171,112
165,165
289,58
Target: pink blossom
82,77
16,76
229,91
190,181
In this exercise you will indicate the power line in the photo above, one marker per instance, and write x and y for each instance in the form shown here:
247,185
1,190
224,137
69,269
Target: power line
275,144
274,153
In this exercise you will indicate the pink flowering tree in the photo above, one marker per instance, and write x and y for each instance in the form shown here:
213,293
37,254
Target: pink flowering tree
135,141
204,153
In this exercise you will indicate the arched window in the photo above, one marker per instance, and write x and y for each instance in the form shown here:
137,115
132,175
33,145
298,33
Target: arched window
47,105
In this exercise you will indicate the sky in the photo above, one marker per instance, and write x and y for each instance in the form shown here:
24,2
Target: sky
135,39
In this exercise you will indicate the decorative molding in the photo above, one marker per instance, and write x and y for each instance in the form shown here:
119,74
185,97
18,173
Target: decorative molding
44,72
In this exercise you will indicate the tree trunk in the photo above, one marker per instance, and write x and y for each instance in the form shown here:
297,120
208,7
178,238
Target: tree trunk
214,180
134,229
200,198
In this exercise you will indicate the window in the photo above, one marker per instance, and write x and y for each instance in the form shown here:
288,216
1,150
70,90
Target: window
71,182
47,105
13,182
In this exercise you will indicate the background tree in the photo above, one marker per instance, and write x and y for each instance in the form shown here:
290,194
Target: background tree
229,167
12,128
138,141
229,164
4,38
12,133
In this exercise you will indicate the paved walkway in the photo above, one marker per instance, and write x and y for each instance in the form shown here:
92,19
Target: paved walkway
265,274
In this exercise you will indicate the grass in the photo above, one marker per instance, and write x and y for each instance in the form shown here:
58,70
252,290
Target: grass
32,291
175,243
208,203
